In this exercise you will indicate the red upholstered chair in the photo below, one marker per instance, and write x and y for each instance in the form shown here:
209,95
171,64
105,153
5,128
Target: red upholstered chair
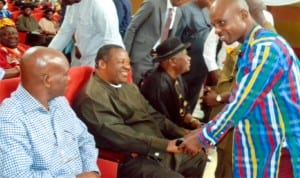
22,37
78,77
108,168
7,86
15,14
37,15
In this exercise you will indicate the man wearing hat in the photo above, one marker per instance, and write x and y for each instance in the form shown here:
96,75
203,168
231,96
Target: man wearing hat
26,22
165,89
122,120
10,48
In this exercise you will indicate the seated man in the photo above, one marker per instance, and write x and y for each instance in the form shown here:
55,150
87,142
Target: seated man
26,22
122,120
10,48
165,89
47,24
40,135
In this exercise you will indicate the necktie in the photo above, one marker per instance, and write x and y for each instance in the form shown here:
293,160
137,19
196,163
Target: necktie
166,29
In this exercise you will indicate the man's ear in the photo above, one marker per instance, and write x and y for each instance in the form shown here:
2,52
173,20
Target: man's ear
46,80
244,13
102,64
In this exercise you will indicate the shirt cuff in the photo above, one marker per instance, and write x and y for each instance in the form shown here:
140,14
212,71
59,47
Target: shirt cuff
205,141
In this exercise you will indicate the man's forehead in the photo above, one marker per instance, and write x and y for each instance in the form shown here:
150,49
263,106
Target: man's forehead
221,11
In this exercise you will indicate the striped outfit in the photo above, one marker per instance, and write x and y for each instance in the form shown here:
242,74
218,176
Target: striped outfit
264,107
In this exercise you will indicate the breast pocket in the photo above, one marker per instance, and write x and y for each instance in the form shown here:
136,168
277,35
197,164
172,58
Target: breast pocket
68,146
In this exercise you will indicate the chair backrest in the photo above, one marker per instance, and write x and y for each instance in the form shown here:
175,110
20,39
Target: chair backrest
37,15
15,14
22,37
78,77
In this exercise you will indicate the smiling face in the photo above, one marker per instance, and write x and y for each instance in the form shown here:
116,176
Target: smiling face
9,37
230,21
115,66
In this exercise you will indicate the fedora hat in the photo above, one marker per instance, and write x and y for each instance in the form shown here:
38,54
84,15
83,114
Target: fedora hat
169,48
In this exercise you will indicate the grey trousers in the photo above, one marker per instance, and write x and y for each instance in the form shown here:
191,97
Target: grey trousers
171,166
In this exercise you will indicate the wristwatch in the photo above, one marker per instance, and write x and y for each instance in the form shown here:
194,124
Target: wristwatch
219,98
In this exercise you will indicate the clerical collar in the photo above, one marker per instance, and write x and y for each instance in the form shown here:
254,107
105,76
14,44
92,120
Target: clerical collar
116,86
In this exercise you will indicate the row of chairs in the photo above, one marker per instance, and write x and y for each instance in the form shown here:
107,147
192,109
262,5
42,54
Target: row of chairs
36,14
108,160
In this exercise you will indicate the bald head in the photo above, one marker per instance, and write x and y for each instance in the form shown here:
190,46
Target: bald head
40,60
231,19
44,72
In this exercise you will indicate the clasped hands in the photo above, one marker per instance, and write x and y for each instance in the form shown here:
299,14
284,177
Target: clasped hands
189,144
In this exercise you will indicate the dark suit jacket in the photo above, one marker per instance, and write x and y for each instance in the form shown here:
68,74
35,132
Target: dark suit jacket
145,29
167,96
122,120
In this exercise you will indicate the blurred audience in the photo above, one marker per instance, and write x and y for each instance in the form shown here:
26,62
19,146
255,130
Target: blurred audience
47,24
4,13
26,22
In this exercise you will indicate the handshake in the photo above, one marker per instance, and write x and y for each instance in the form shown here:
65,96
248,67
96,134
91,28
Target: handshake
187,145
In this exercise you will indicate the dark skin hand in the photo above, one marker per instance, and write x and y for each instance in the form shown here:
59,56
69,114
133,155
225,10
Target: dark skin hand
12,72
77,52
209,98
190,144
214,76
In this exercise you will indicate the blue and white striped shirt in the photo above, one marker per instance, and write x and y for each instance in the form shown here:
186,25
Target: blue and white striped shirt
36,142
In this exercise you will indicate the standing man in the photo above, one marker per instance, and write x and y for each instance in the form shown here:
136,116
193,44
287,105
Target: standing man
264,107
218,96
124,14
153,23
194,28
40,135
95,23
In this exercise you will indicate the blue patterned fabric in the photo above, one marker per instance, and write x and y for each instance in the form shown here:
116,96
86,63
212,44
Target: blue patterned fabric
36,142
